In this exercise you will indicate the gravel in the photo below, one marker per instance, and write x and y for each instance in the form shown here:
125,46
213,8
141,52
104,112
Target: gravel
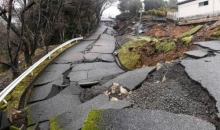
178,94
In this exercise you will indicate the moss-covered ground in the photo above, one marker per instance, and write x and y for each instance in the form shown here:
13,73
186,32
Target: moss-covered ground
129,54
53,124
93,120
190,32
165,46
14,96
216,33
187,40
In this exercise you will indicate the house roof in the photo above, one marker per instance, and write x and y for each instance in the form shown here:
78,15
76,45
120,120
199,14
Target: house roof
184,2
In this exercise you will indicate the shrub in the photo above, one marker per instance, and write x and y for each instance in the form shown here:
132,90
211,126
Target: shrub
155,12
124,16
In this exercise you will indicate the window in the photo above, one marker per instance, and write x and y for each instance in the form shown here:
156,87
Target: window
203,3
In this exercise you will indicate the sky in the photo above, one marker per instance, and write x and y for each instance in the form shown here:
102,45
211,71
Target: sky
113,11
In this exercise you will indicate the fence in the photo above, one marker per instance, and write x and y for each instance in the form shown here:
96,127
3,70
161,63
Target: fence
172,15
11,86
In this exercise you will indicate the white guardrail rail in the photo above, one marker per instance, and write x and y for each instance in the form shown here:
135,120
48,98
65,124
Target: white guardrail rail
11,86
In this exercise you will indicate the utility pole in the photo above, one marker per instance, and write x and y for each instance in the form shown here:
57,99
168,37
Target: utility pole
139,24
138,30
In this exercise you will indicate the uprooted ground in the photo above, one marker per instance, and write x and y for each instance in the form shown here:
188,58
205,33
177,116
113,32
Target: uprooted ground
168,41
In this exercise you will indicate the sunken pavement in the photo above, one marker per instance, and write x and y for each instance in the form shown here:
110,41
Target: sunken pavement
60,100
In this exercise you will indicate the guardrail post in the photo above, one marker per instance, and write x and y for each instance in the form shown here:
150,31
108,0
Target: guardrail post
49,56
61,48
32,73
4,101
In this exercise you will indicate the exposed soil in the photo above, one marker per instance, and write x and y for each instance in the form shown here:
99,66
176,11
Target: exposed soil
178,94
150,60
167,29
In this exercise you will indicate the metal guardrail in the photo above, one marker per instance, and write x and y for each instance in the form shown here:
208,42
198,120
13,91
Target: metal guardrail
11,86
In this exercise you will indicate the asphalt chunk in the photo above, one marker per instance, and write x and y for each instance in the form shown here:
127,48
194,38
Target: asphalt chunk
131,79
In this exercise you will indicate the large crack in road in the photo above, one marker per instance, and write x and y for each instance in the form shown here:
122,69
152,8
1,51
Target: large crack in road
58,102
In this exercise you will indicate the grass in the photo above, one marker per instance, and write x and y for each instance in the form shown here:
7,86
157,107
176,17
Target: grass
128,54
93,120
187,40
190,32
14,96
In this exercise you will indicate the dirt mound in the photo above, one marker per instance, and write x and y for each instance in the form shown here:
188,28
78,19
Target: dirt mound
167,30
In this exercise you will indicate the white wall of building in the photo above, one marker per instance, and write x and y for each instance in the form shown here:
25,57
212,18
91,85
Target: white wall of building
193,8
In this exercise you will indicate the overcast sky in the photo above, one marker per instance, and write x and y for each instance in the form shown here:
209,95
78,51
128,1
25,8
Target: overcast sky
113,10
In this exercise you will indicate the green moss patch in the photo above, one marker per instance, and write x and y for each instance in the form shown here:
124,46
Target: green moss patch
93,120
129,53
190,32
53,124
216,33
14,96
164,47
187,40
147,38
13,128
28,115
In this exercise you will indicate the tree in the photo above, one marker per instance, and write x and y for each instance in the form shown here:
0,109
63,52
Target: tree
134,6
13,52
172,4
45,22
153,4
131,6
123,6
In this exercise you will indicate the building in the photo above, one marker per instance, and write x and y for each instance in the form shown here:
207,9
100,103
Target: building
198,8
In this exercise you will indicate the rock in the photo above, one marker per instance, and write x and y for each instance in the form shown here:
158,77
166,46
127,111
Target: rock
159,66
123,90
113,88
114,99
164,78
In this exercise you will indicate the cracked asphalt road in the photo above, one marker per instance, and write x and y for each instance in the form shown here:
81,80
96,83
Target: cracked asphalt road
58,102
